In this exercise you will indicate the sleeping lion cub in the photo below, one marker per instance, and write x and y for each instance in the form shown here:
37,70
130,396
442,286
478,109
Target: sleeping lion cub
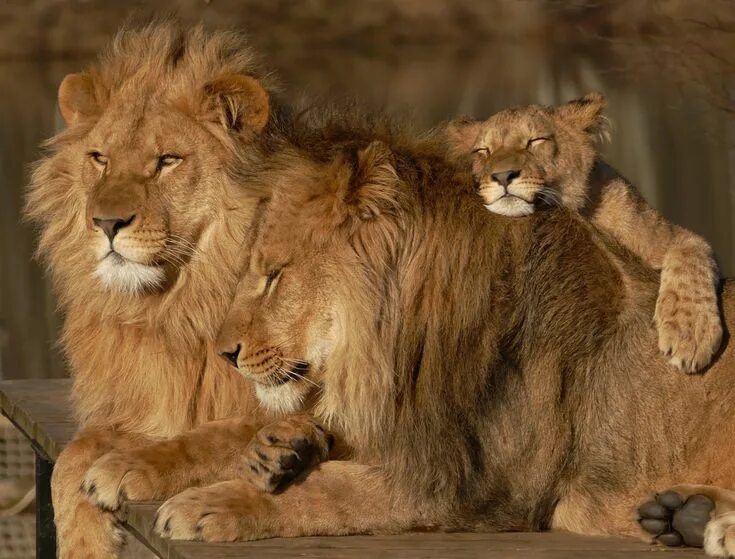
532,157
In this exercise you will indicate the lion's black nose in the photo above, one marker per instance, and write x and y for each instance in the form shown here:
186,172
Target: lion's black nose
504,178
231,356
112,225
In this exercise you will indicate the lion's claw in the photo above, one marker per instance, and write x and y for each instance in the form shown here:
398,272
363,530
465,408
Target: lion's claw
223,512
116,477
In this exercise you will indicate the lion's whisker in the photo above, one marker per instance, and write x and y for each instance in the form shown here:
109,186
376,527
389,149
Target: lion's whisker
293,361
173,259
296,376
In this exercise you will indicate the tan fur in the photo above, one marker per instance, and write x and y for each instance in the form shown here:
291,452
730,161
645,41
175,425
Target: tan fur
338,498
161,128
552,150
528,395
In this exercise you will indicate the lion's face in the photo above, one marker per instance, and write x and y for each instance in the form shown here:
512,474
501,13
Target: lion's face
149,192
533,157
281,327
150,172
298,297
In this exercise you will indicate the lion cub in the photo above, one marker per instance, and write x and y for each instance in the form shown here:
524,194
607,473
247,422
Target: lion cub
524,159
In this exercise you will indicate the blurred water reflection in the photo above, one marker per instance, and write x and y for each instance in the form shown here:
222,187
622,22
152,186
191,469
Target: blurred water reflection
669,138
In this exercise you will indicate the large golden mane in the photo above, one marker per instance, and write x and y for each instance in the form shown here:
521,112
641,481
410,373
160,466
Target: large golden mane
144,362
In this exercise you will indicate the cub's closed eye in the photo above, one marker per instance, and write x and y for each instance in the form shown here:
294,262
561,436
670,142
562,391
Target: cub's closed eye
485,151
536,141
98,158
168,160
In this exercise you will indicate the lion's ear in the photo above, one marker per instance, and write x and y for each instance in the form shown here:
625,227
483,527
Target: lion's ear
373,186
77,98
238,102
462,134
586,114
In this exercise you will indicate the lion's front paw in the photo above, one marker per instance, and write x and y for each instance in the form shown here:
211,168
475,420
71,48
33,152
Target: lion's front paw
281,451
689,329
119,476
223,512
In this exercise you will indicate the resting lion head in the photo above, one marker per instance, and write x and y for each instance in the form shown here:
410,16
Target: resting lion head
289,311
535,156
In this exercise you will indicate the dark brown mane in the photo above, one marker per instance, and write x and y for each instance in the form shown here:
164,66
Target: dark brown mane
467,369
462,292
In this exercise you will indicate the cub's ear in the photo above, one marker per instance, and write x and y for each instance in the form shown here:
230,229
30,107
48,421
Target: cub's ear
373,188
238,102
77,98
462,134
586,114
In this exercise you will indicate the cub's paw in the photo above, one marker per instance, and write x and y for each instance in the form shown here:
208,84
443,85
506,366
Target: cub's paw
676,521
689,329
118,476
281,451
222,512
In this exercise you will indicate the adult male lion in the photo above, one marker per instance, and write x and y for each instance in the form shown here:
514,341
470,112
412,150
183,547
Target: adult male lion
141,211
490,373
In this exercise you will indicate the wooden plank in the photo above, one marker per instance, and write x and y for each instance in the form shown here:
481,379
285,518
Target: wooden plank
42,410
549,545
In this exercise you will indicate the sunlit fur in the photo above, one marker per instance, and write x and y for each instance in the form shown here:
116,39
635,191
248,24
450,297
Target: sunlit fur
553,152
502,372
139,325
141,361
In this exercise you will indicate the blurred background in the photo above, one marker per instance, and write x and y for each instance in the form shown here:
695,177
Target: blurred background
666,66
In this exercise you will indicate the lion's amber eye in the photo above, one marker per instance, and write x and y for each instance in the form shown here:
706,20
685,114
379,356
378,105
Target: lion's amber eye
535,142
98,158
167,160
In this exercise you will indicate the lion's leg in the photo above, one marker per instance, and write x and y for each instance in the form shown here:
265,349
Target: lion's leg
694,515
336,498
83,530
217,451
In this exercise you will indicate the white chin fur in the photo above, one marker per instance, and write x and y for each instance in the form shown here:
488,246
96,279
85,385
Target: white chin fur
287,398
127,276
511,206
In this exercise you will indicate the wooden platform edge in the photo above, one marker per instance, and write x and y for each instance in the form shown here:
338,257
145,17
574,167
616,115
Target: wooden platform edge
41,410
47,435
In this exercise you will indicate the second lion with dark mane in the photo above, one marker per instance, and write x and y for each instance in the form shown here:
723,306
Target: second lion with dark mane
446,349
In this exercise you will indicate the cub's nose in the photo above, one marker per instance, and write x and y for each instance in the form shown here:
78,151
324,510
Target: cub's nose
504,178
111,226
231,356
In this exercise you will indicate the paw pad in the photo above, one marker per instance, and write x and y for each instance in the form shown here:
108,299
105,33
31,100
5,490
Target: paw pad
674,521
